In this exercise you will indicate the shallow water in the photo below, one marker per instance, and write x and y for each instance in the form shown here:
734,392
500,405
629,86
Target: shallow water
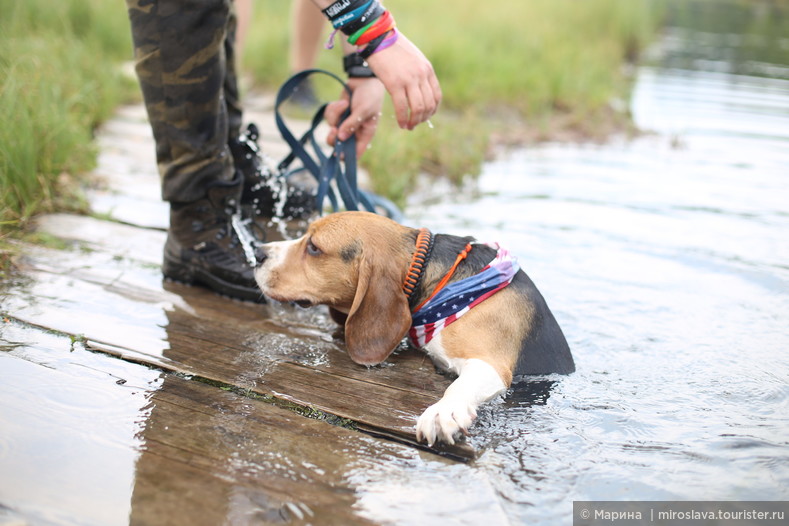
69,431
666,262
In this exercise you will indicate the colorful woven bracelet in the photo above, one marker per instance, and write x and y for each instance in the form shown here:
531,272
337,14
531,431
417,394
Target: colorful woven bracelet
353,38
383,25
365,35
365,22
374,46
388,41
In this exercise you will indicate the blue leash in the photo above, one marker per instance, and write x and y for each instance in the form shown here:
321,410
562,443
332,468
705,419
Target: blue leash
339,167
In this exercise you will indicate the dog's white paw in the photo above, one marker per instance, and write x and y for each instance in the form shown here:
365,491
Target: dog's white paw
443,420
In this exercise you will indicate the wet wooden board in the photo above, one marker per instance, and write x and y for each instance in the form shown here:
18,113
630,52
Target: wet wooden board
119,305
127,186
195,453
122,241
107,290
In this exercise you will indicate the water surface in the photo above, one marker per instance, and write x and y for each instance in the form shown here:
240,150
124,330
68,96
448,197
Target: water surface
666,262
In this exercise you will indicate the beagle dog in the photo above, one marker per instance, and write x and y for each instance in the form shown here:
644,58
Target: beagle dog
468,305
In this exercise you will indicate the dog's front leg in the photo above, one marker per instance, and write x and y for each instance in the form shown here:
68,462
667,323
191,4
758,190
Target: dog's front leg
477,383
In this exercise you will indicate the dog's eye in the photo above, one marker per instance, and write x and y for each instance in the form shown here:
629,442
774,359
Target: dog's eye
312,250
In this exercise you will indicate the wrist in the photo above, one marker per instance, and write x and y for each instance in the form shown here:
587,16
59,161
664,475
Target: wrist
379,43
356,67
365,22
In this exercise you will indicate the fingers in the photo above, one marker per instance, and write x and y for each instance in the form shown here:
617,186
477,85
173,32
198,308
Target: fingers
416,102
435,89
401,107
362,121
334,111
363,127
364,137
410,80
332,115
423,104
349,126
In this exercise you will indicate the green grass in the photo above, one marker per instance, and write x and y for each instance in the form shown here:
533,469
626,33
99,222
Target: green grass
503,69
59,78
507,69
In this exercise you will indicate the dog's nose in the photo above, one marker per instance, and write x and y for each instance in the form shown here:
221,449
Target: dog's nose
260,255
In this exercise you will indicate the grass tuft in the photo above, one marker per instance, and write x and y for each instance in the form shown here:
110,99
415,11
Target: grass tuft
60,79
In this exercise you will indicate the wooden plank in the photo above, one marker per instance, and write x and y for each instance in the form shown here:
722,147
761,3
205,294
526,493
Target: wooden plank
288,463
103,236
189,302
128,187
194,453
120,240
122,308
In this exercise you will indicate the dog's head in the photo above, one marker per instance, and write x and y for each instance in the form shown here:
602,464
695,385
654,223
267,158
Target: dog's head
354,262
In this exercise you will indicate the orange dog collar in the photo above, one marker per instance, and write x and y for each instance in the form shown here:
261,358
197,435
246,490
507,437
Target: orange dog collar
424,241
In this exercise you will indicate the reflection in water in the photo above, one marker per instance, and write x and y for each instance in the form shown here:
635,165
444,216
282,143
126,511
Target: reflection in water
256,463
68,420
253,462
417,491
738,38
529,392
664,260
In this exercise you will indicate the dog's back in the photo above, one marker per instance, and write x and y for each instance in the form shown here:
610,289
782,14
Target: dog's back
544,349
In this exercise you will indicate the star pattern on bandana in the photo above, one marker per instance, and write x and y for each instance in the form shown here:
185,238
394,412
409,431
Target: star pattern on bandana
459,297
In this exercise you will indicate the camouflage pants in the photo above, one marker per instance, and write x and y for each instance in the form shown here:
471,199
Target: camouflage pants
184,54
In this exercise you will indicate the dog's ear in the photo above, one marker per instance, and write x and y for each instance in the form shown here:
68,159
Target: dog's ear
379,317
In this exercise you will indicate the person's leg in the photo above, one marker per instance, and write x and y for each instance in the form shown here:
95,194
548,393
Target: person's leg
244,16
263,190
259,193
181,65
307,24
232,94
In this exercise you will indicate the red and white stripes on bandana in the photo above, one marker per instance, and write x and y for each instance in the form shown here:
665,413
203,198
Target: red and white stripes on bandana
457,298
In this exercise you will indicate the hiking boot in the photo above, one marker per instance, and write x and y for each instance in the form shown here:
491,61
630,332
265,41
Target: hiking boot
203,244
266,195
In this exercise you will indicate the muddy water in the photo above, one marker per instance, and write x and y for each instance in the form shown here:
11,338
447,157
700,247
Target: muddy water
665,260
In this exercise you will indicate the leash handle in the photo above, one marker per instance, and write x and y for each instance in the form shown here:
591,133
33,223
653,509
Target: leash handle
339,166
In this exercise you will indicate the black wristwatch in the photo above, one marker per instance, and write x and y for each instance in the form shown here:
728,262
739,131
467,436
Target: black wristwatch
356,67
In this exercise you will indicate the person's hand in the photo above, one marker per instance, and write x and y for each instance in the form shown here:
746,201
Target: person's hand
410,80
366,103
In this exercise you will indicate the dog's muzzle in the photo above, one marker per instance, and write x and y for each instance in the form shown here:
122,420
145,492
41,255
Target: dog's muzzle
260,255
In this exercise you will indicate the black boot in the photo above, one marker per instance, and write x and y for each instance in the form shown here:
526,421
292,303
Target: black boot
203,244
265,194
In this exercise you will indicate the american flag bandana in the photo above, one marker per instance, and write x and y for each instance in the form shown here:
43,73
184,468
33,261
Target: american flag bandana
457,298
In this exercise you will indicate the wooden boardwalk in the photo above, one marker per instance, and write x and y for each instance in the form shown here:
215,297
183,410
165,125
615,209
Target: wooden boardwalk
275,373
